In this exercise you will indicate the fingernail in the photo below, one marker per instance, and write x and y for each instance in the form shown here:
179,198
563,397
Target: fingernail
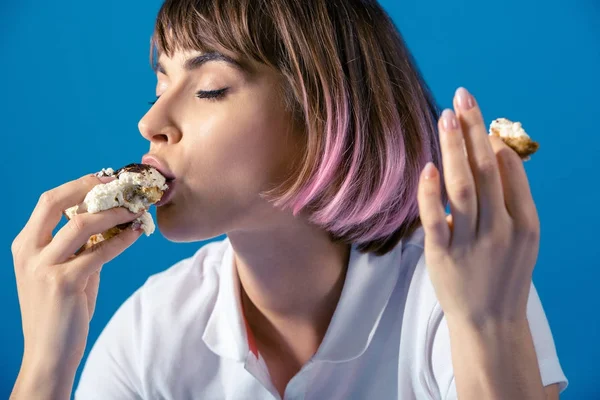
105,179
465,99
429,170
136,226
449,120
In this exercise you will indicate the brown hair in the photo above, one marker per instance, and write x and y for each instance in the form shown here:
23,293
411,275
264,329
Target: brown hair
369,118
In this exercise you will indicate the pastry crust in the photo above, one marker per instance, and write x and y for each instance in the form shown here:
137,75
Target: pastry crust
524,147
521,143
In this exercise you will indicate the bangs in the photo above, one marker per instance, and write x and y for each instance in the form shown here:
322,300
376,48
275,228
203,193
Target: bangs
238,26
366,115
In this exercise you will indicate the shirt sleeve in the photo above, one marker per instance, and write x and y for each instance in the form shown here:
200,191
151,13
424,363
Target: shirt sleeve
545,349
112,369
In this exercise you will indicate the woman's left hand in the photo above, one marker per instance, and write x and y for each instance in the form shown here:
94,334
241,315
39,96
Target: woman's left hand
481,257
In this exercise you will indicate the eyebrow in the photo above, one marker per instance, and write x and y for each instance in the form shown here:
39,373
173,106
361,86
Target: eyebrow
196,62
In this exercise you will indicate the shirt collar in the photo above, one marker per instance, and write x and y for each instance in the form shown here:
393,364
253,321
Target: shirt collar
225,332
369,283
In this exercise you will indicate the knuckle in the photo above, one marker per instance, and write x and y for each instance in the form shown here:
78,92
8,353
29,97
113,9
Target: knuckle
112,214
89,180
501,246
527,231
474,119
478,122
495,248
37,271
47,199
17,250
487,167
435,225
526,227
501,237
119,213
58,280
510,159
119,241
77,224
463,190
15,245
101,252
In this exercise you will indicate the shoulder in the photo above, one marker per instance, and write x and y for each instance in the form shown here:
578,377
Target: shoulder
192,282
162,320
421,301
169,304
421,312
424,337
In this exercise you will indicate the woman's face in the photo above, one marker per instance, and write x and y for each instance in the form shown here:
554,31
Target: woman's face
223,151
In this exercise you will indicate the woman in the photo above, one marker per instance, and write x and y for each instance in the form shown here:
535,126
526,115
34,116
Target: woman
304,132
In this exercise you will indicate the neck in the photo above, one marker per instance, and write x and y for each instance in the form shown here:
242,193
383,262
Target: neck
291,281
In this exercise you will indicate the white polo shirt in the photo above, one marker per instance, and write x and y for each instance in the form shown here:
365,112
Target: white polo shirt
182,335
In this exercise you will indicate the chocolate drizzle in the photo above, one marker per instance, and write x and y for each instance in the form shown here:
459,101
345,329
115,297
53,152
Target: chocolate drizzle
135,168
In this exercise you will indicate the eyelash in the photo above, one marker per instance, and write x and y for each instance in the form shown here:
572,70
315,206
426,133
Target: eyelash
211,95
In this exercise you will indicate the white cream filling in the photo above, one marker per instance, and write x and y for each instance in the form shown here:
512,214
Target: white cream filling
106,172
109,195
507,128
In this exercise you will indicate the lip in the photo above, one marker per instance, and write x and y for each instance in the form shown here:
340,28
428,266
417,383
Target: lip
167,195
159,165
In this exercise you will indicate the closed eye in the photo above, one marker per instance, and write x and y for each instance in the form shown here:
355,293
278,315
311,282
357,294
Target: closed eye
211,94
203,94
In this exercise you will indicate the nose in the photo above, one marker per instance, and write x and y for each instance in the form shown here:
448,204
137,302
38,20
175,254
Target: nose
158,127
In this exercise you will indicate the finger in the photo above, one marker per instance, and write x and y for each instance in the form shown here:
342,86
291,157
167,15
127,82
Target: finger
90,261
49,209
79,229
484,166
459,179
517,193
431,210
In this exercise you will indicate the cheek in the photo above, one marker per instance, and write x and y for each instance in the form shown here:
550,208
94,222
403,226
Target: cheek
251,146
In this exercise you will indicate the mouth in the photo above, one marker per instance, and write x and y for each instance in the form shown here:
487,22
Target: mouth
160,167
167,195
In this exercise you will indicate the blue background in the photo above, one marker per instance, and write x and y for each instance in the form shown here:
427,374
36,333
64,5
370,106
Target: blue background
76,80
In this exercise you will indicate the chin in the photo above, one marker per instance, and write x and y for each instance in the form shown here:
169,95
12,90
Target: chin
181,229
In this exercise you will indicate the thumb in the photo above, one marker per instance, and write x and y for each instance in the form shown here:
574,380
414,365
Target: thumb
91,260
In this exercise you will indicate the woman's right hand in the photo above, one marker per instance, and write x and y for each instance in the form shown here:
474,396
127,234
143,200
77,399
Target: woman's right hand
57,289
